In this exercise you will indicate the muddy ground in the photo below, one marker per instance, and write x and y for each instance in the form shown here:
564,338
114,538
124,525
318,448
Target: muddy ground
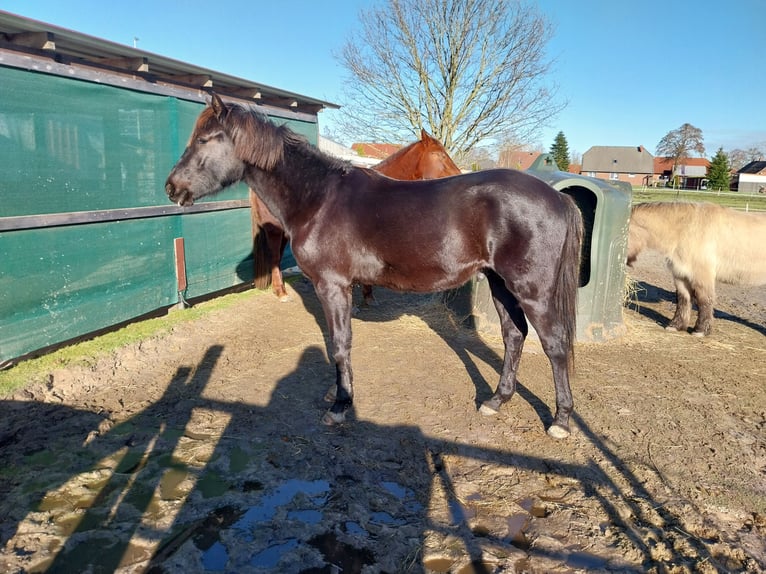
202,450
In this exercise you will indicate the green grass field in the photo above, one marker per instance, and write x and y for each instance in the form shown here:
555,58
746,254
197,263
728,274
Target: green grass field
749,202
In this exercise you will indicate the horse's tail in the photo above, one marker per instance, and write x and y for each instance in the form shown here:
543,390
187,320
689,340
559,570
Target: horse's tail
565,294
261,260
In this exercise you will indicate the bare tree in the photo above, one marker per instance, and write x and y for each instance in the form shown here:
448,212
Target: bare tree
739,158
468,71
678,144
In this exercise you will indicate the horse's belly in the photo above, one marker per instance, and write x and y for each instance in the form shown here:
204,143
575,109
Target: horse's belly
422,279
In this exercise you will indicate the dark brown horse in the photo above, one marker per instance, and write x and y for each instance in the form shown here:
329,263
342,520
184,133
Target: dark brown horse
423,159
352,225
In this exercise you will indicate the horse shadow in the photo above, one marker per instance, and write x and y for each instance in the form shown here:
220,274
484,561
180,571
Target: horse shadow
271,489
648,294
431,308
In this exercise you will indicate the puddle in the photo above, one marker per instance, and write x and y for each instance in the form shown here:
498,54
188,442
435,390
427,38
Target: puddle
355,529
438,564
406,495
385,519
517,524
270,557
214,559
215,554
316,490
305,516
347,558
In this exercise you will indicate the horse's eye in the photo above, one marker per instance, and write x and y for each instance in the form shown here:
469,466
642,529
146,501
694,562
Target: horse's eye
202,141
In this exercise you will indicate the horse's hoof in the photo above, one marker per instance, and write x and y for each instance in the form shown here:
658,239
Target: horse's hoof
558,432
285,298
670,329
330,418
487,410
698,333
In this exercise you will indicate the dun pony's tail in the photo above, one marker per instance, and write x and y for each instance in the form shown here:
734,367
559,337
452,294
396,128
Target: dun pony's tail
569,278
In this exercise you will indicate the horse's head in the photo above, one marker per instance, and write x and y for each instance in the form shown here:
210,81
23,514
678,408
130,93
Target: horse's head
209,163
636,242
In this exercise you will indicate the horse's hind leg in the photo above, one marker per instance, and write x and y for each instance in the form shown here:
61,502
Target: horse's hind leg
513,326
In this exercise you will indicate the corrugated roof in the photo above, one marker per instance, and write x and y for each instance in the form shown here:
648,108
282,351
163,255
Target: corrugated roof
38,39
755,167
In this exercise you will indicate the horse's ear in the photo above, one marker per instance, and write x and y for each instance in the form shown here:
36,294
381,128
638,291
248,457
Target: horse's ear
219,108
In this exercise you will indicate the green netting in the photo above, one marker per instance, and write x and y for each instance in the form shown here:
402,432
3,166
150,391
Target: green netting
75,146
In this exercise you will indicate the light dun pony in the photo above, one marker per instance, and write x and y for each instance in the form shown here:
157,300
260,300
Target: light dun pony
702,243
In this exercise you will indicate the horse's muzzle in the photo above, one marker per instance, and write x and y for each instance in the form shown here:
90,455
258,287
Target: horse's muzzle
180,197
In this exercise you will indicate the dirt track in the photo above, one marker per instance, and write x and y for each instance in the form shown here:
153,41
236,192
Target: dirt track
201,451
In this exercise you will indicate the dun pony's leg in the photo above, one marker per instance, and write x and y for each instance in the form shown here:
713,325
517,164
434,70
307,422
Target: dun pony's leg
513,325
336,302
682,316
704,293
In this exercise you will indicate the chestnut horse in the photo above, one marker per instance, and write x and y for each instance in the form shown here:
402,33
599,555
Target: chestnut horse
349,225
424,159
702,243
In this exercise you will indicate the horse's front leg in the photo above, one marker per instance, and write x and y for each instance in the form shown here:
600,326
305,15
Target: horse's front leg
682,316
336,303
704,294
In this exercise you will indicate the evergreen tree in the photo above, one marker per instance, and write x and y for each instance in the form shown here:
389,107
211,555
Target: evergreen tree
718,173
560,151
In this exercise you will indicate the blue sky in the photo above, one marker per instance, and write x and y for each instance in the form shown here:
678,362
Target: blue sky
630,71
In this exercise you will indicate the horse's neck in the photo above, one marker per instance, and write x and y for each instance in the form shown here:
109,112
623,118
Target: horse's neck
293,190
399,166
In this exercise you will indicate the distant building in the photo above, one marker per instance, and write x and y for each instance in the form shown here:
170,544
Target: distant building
340,151
751,178
515,159
632,164
691,173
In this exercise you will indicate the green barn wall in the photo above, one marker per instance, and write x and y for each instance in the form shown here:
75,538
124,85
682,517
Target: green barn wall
73,153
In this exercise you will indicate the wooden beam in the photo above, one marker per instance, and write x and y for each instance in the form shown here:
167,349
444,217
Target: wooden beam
201,80
132,64
246,93
38,40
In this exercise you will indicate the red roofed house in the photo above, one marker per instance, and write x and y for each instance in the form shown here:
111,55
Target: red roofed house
515,159
691,173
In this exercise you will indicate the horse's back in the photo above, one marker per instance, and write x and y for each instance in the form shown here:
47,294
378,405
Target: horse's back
741,247
702,238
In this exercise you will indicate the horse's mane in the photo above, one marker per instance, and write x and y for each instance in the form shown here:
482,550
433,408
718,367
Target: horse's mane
262,143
